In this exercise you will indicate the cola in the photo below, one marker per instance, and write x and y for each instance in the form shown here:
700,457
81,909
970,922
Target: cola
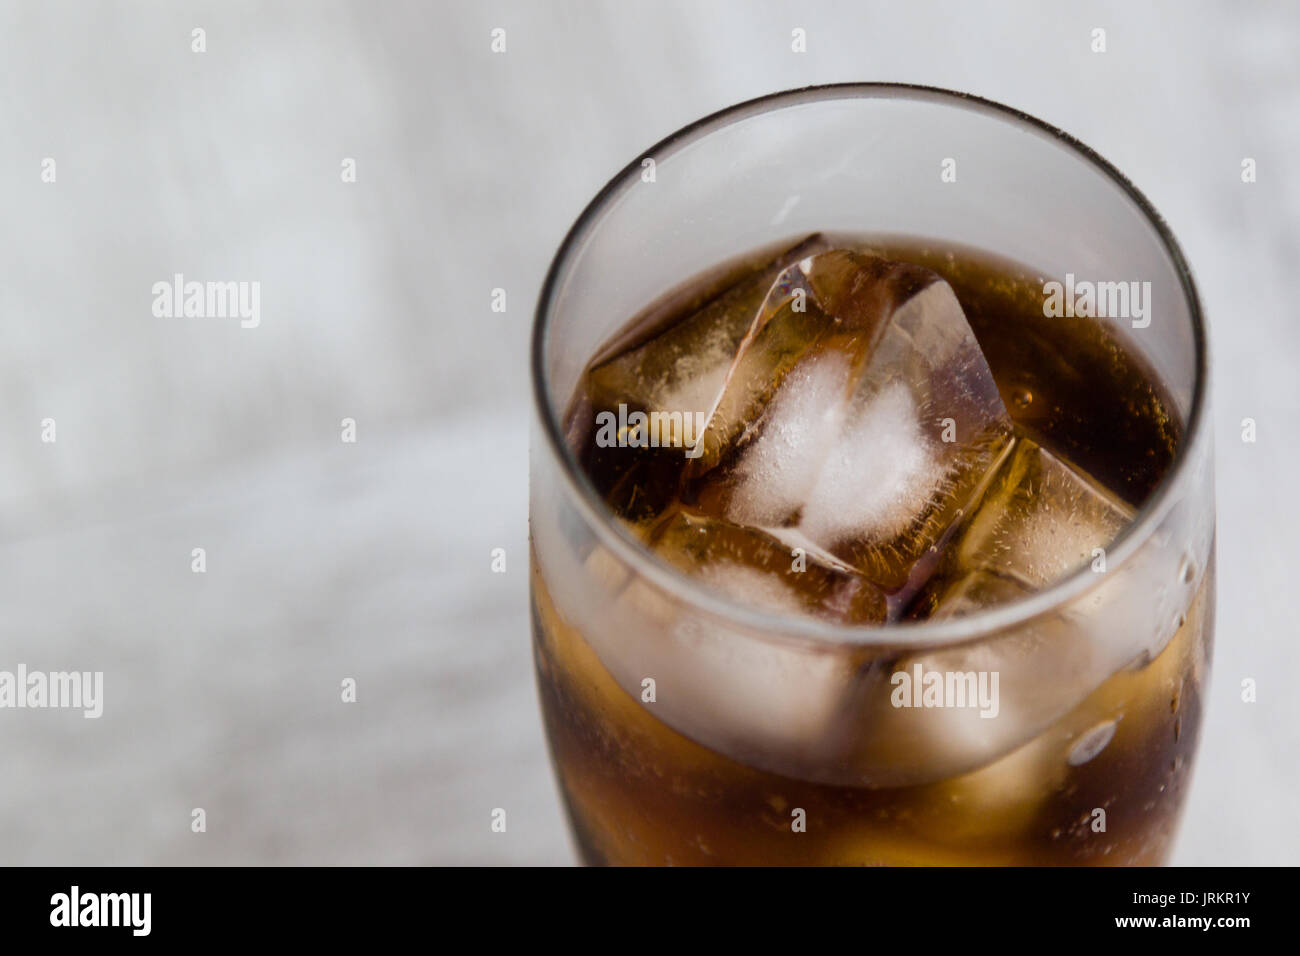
873,491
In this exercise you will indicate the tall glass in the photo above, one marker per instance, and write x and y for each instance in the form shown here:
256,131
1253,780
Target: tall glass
688,728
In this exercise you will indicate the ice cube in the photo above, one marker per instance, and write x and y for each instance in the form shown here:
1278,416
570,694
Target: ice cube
1039,520
681,367
952,592
804,419
763,700
830,300
669,369
958,708
763,571
859,409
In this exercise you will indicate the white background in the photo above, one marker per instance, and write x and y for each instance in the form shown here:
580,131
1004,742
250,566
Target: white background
370,561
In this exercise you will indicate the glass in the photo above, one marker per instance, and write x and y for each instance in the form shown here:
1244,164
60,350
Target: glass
689,728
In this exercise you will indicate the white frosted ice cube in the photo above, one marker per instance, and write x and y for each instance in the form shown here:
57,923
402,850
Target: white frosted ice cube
859,409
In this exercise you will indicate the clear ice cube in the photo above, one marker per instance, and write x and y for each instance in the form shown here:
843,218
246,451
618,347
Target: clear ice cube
859,409
1031,675
764,571
769,702
681,367
1039,520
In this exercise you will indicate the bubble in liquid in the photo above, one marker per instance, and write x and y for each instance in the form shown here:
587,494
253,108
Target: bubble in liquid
1188,570
1022,398
1092,743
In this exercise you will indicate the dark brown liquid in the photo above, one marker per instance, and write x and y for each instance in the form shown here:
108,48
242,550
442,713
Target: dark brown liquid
640,792
1069,380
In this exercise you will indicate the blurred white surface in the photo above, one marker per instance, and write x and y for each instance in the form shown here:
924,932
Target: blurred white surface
328,560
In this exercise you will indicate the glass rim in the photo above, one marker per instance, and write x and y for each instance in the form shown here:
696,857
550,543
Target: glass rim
790,628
